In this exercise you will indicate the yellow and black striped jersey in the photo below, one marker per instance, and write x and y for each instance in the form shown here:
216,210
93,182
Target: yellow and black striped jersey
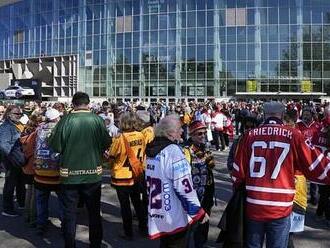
120,169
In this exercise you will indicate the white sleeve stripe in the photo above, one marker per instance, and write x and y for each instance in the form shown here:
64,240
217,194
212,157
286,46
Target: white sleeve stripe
325,172
235,166
316,162
269,203
271,190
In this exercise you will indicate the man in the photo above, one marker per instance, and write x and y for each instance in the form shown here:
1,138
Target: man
81,138
321,140
309,129
47,170
202,163
173,203
10,132
265,162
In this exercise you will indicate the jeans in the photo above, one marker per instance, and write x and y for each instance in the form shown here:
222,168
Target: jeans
200,233
14,179
125,193
91,195
276,231
324,201
216,136
30,205
177,240
313,191
42,199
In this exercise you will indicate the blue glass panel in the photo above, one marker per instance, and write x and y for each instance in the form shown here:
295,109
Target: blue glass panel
251,16
201,16
273,16
191,19
136,23
136,7
210,18
201,36
231,52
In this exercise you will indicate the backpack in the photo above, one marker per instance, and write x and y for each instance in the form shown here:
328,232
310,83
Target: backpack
45,157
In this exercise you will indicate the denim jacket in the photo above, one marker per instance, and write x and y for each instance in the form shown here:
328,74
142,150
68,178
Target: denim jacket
8,136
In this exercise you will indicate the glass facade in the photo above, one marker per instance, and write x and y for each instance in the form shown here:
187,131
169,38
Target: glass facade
177,48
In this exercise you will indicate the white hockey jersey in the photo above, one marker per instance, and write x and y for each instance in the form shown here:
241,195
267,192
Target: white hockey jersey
173,203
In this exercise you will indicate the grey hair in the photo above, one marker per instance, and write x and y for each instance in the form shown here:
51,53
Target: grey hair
167,125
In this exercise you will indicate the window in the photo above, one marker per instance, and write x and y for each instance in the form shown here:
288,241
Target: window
236,17
19,36
124,24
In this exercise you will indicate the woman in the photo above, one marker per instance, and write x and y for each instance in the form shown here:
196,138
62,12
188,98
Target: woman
9,135
127,187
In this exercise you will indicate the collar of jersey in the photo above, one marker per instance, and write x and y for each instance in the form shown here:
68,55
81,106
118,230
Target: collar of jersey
81,111
273,120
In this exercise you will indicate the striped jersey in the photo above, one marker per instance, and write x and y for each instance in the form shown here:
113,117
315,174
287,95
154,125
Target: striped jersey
173,202
121,172
266,160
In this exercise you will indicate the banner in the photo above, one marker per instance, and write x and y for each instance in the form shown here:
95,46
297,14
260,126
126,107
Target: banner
251,86
306,86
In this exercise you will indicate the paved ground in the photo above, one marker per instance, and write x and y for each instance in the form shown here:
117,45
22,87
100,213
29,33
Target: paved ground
15,233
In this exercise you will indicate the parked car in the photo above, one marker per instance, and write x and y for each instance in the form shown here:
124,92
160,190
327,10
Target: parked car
16,92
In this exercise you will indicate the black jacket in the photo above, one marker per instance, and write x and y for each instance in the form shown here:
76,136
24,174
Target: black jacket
232,221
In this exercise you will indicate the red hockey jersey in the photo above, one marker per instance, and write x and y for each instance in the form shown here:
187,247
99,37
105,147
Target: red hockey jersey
309,131
266,159
320,136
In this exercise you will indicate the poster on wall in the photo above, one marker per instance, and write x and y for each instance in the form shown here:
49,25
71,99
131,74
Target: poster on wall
200,91
251,86
306,86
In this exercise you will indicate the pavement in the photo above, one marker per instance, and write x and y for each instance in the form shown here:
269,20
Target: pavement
15,233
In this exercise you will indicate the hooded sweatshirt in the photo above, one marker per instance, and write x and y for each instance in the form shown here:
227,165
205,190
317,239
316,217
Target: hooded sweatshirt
173,203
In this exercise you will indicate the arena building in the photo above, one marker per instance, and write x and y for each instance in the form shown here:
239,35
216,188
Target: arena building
168,49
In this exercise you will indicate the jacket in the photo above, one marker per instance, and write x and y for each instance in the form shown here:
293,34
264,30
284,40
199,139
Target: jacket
232,221
8,136
81,138
173,203
121,172
266,160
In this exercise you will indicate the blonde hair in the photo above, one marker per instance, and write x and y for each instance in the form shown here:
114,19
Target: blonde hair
167,125
128,122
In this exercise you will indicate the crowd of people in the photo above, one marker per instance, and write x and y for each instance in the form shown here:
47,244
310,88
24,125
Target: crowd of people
160,159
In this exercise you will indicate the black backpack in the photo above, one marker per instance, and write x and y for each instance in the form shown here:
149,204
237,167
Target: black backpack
16,156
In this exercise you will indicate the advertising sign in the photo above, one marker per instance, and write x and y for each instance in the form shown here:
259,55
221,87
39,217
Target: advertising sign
306,86
251,86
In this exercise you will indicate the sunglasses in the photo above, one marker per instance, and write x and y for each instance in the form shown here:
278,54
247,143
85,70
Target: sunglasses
200,133
17,114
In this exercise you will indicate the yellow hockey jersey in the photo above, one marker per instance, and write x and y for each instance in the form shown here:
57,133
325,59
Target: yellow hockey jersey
121,173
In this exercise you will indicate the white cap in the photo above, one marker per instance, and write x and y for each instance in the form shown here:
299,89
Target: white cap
52,114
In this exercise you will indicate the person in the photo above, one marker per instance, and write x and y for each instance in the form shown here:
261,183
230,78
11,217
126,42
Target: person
47,170
218,120
249,123
265,162
309,128
173,202
202,163
300,197
14,178
127,187
81,139
28,141
321,140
